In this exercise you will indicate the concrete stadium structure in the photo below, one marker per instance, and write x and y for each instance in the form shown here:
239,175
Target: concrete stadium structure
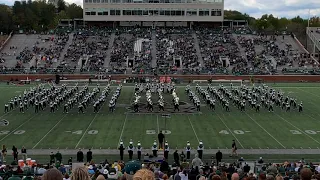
154,13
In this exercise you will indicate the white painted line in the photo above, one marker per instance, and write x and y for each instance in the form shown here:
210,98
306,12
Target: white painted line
17,128
193,129
308,92
85,132
297,128
265,130
158,124
49,131
230,130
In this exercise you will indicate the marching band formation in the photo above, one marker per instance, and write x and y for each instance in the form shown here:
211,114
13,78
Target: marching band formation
158,88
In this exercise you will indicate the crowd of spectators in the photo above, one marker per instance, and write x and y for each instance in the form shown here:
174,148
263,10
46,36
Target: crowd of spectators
176,49
176,52
194,169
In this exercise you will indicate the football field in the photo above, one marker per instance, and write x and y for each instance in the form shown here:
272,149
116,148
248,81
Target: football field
217,129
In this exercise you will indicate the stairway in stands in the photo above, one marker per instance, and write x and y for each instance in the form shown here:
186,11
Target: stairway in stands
196,42
64,51
154,49
108,56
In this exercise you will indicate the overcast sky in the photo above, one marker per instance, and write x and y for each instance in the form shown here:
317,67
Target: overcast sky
256,8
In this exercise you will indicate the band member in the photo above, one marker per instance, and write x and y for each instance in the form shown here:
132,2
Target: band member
6,108
136,107
188,149
155,149
234,148
139,150
130,150
121,149
300,107
200,149
21,108
166,150
161,106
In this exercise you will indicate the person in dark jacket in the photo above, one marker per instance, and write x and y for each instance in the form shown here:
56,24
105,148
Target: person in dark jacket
15,153
59,157
121,149
161,139
176,158
219,157
164,166
89,155
80,156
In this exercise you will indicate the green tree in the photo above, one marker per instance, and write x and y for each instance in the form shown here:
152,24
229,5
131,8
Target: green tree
74,11
6,19
61,5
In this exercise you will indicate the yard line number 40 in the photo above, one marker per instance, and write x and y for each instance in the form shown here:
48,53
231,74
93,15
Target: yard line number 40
305,131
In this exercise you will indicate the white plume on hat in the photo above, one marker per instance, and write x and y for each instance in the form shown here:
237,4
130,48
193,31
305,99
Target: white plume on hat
188,143
166,144
155,142
121,142
200,142
131,141
139,144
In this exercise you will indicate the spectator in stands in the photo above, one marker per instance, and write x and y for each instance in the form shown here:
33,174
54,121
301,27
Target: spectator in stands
164,167
196,162
52,174
80,173
66,177
143,174
305,174
235,176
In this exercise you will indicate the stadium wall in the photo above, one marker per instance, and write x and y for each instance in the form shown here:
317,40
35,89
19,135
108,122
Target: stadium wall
264,78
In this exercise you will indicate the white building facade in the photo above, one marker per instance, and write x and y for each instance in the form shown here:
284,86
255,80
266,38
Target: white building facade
153,12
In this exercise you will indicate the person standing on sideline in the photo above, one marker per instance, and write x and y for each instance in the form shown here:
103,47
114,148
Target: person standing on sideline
200,149
89,155
160,139
154,149
15,153
166,150
80,156
130,150
218,157
234,148
121,149
176,158
4,153
188,149
139,150
52,157
58,157
24,153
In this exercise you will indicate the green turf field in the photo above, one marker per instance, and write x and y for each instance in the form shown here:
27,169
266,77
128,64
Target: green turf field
251,130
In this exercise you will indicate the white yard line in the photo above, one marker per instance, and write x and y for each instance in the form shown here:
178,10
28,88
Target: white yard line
230,131
85,132
17,128
297,128
48,132
158,124
308,92
265,130
125,120
123,126
194,131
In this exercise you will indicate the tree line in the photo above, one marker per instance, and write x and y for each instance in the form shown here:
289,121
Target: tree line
37,15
